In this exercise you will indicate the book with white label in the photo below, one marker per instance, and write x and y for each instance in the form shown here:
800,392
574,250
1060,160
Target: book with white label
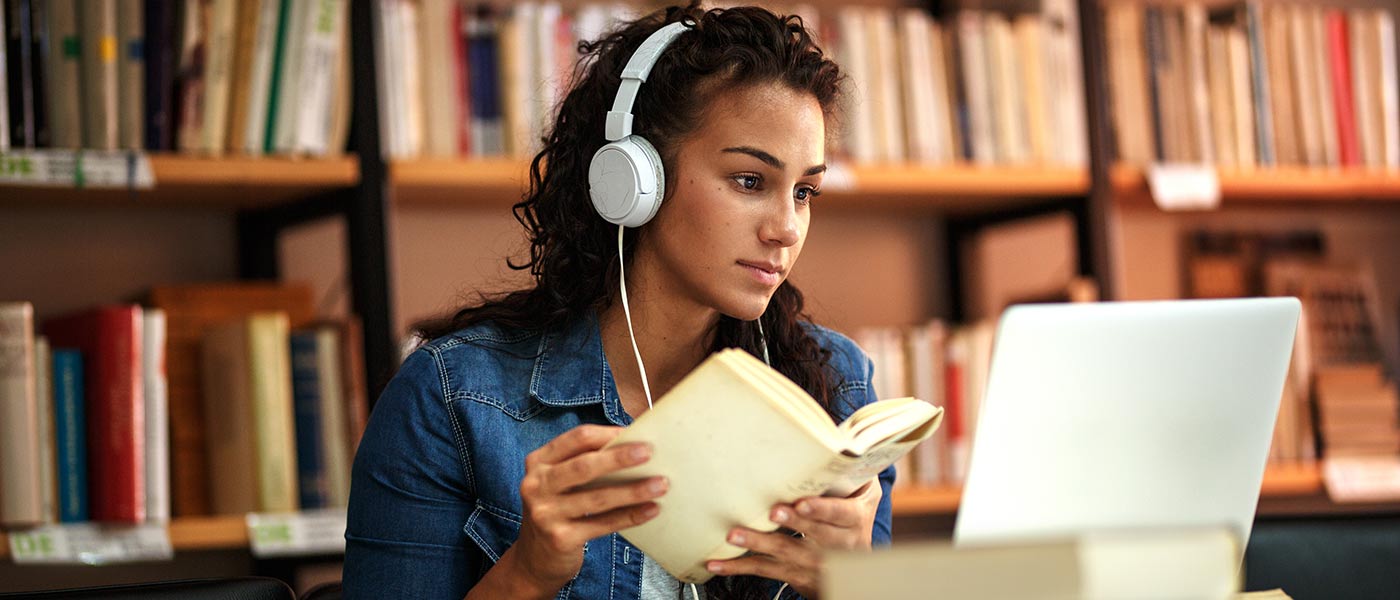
735,437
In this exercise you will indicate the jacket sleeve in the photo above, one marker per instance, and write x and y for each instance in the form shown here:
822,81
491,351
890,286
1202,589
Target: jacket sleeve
410,496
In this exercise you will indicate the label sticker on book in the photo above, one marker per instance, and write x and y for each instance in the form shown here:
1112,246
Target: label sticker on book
1362,478
77,169
91,544
293,534
1184,187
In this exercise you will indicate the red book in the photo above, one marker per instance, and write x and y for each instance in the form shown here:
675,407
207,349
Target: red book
1338,52
110,341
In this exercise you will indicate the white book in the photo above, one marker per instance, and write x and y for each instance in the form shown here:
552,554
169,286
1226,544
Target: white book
4,91
940,107
390,79
1307,81
918,74
21,503
62,81
1390,90
320,58
547,87
1242,97
1064,63
734,410
517,77
1007,97
972,48
1326,103
131,31
1365,85
889,110
926,360
1222,106
1031,47
260,79
860,142
48,459
284,128
1195,30
438,32
157,422
218,76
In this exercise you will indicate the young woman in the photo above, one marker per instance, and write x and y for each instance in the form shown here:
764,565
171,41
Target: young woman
468,479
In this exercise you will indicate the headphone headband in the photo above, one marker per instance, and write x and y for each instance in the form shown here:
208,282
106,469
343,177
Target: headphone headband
619,123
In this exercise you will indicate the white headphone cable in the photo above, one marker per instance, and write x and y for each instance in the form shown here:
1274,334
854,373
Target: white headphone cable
627,310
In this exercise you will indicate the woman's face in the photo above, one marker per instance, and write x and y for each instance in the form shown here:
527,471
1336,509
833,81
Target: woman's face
738,210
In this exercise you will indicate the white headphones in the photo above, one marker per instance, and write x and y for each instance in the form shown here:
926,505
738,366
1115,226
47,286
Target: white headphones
625,178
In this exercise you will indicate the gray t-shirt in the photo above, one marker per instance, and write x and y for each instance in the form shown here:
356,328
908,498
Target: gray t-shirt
657,584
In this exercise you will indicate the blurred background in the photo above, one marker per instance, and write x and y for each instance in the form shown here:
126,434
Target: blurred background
300,182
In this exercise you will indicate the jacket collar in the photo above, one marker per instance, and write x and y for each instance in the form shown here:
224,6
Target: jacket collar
572,370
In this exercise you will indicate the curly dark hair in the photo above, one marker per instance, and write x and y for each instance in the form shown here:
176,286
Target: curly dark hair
571,247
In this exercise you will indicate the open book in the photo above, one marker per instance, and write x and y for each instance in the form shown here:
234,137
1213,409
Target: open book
736,437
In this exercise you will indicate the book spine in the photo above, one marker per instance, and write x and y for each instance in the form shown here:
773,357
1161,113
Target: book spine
244,45
1390,90
161,44
4,84
21,502
461,64
280,58
70,433
319,59
269,358
1263,103
116,418
193,28
1337,46
18,38
157,404
485,81
261,77
43,400
131,31
99,26
306,398
64,85
39,65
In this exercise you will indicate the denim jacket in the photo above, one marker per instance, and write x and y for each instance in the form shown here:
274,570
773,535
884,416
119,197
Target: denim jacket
435,497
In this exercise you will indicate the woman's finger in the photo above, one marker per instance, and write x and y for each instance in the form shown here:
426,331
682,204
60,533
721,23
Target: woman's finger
571,443
616,520
840,512
823,534
781,546
600,500
586,467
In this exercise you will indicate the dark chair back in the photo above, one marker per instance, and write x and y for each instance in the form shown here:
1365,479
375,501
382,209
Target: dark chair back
1326,559
234,588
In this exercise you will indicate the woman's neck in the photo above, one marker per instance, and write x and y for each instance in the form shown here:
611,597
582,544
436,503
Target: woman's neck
672,335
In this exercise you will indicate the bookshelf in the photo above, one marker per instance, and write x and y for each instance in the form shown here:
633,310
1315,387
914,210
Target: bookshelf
1281,484
239,182
957,189
1296,186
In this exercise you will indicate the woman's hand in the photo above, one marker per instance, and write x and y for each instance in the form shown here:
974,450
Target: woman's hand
825,524
560,517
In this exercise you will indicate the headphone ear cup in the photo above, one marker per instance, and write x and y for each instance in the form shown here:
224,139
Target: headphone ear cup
626,181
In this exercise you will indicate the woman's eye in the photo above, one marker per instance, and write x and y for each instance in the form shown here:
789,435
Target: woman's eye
748,182
805,195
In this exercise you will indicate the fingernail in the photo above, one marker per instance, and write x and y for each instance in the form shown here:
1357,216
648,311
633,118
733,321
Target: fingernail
804,509
780,515
639,453
657,485
715,567
651,511
736,537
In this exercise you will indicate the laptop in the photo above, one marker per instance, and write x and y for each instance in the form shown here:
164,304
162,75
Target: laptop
1126,416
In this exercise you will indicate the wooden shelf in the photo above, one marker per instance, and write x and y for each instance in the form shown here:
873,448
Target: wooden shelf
232,181
1277,186
499,183
191,533
1281,482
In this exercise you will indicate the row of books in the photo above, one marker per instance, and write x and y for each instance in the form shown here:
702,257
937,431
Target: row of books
460,79
197,76
946,366
1254,84
127,413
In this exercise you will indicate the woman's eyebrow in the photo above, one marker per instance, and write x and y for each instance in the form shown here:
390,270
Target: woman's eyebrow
771,160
